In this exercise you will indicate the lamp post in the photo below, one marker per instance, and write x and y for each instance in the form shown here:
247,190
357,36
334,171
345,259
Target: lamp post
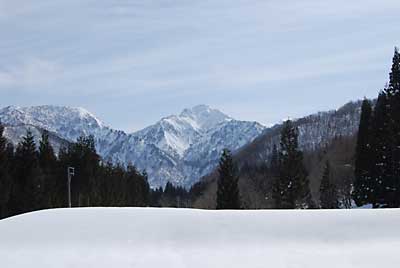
71,172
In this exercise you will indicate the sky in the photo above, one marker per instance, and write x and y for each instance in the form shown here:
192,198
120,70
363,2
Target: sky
131,62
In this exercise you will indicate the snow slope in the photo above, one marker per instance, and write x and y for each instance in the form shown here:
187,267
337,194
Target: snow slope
131,237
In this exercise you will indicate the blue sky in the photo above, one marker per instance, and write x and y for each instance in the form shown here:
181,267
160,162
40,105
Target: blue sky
131,62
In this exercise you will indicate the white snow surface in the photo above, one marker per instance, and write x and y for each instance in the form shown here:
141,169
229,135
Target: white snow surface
133,237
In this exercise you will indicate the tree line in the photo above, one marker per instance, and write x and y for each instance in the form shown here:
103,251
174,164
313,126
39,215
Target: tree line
34,177
289,178
377,159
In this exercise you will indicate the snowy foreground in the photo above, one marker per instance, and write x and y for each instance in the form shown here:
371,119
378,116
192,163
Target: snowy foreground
129,237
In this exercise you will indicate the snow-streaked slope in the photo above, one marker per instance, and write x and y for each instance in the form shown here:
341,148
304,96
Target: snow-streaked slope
130,237
16,133
68,122
315,131
166,150
175,134
201,158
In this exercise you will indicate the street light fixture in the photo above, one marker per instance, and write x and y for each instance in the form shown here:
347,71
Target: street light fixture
71,172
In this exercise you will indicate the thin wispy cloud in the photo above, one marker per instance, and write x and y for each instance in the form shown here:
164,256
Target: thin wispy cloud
120,58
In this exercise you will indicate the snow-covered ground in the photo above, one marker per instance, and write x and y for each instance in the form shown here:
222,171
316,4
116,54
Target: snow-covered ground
130,237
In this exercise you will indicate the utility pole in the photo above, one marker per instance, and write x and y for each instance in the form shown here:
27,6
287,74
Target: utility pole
71,172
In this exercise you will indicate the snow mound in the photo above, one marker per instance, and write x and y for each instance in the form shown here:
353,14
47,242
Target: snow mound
131,237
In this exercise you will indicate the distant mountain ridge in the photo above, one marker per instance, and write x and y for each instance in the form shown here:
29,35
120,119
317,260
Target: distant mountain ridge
178,148
315,131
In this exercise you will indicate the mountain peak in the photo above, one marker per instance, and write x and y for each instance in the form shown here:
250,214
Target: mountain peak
70,121
205,116
54,112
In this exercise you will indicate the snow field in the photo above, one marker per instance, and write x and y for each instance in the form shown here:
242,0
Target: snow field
133,237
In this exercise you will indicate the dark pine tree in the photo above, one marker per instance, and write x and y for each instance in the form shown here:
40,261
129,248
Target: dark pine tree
293,182
64,161
5,176
363,157
228,189
393,95
274,170
328,192
378,189
112,186
48,167
26,191
168,198
138,188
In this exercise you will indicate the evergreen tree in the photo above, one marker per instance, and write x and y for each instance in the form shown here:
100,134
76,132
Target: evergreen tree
48,165
393,95
293,182
377,189
155,197
64,161
5,178
328,192
363,157
228,189
47,156
144,188
113,190
138,188
26,190
274,169
274,162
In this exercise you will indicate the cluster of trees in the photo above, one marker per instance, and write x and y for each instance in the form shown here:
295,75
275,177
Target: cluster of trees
33,177
171,196
289,185
377,168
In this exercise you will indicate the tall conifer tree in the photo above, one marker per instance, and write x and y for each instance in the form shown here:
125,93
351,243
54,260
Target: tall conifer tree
228,189
363,157
328,192
5,178
293,182
275,171
26,187
378,187
393,95
48,165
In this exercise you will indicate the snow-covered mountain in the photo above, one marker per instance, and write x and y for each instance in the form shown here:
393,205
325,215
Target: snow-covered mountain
315,131
178,148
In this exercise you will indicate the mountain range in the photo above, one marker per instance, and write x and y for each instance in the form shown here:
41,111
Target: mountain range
178,148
